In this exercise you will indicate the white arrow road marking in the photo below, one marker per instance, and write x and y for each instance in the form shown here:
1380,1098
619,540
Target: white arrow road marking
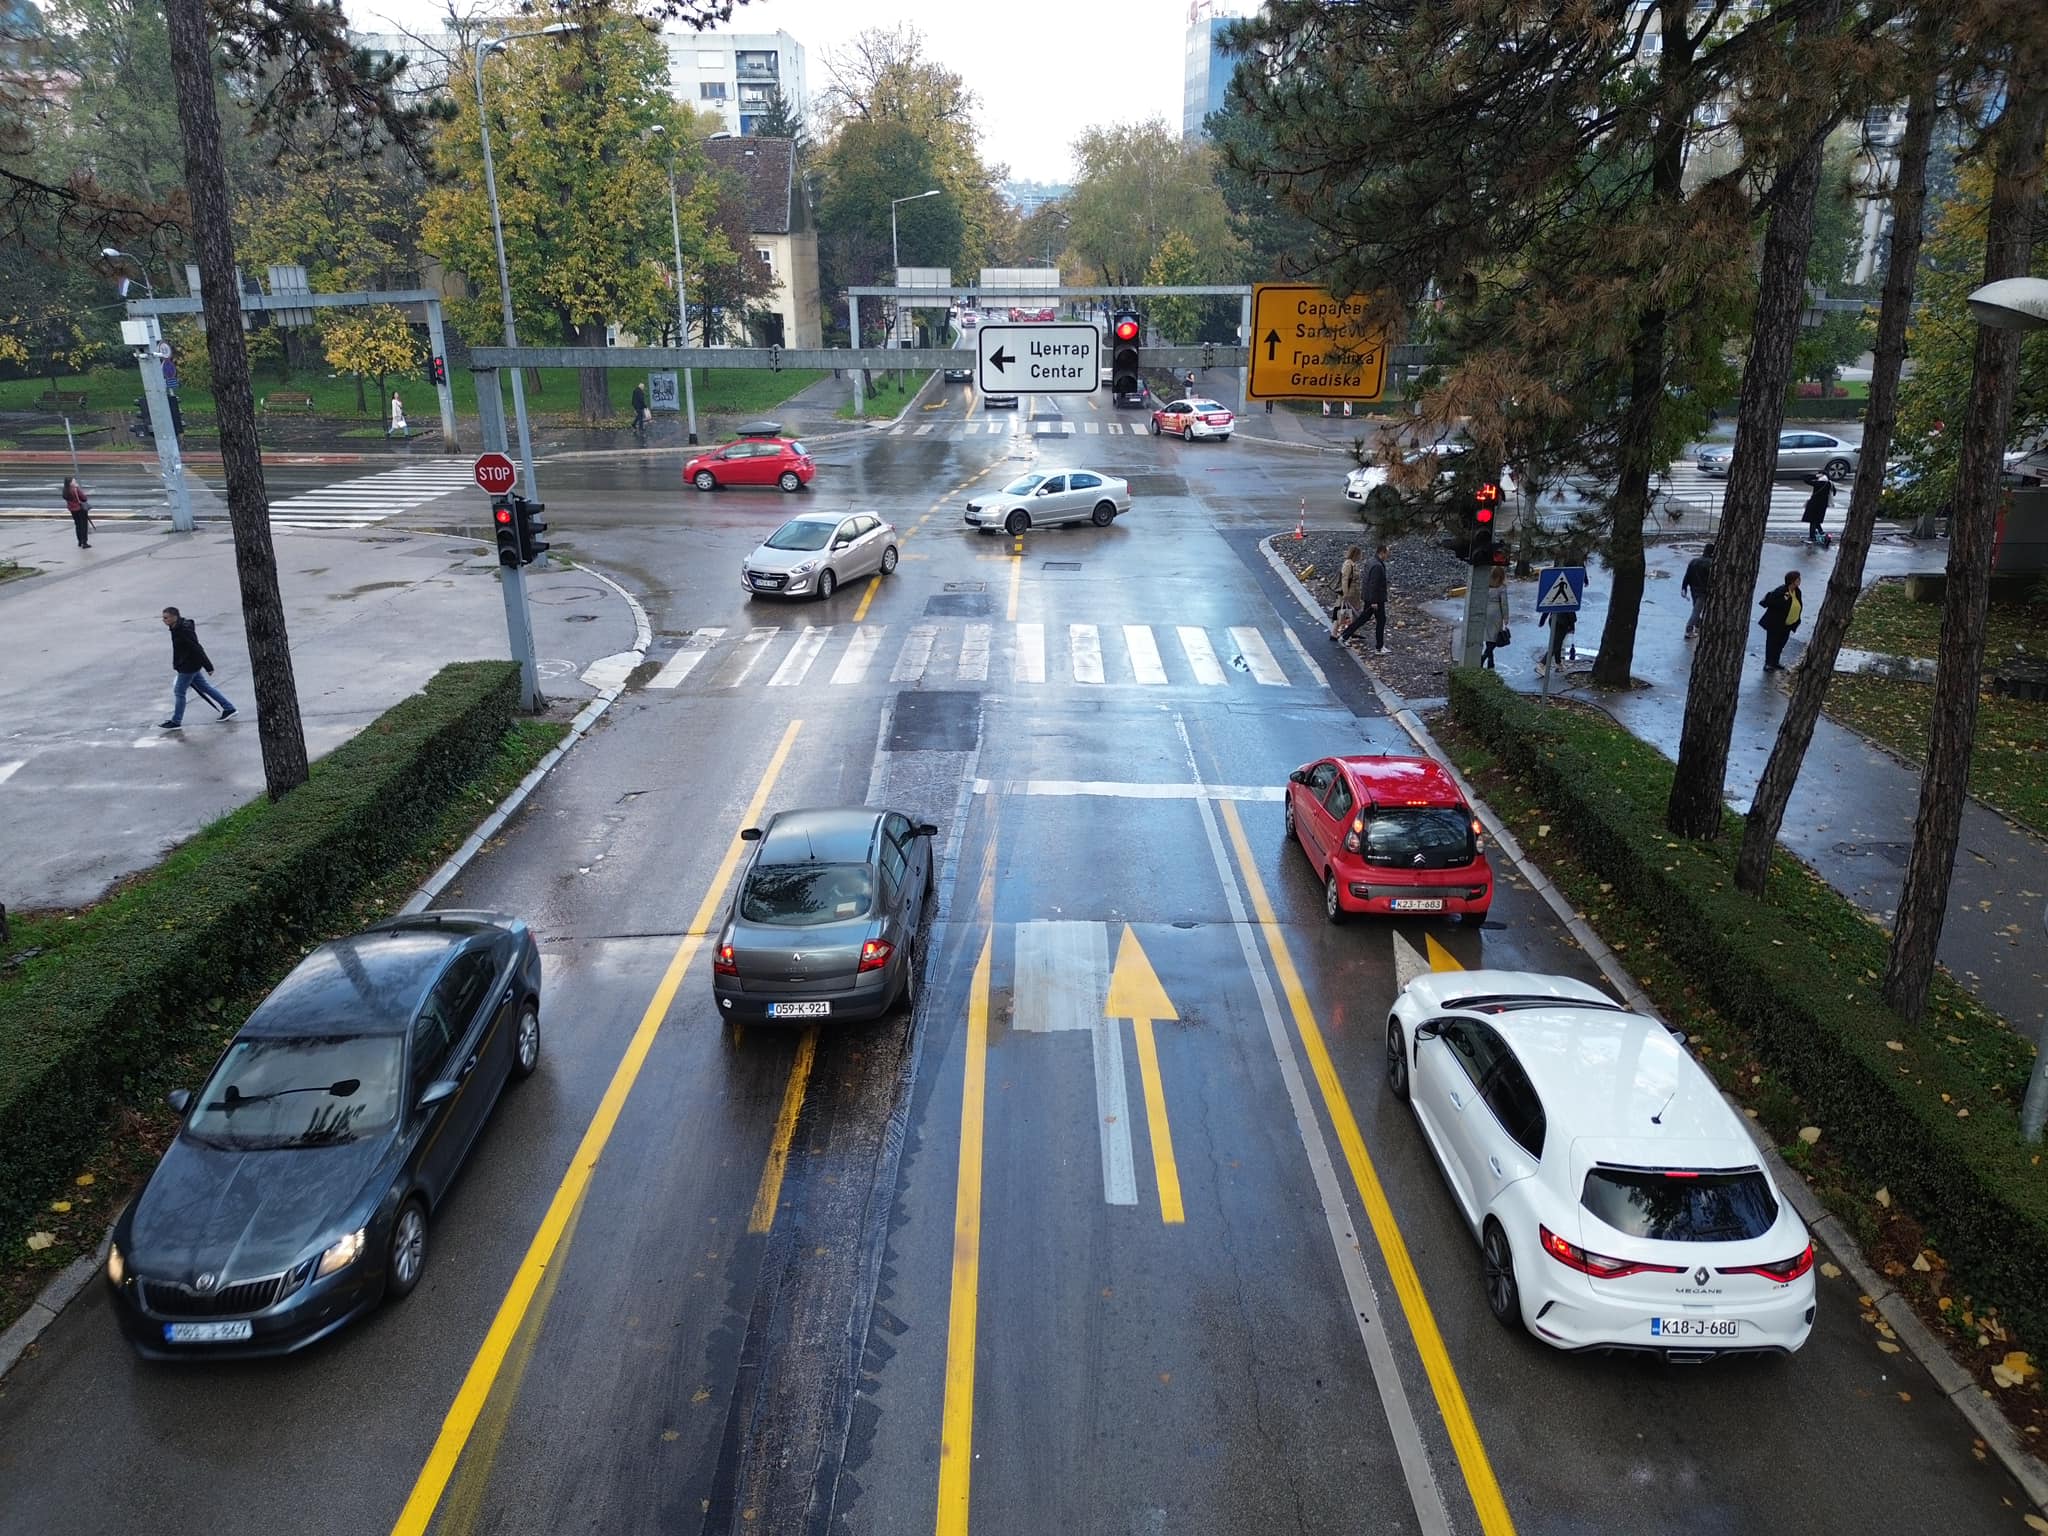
1062,984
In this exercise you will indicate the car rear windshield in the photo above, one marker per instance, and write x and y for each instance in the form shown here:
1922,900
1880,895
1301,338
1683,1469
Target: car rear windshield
1419,837
801,535
1204,405
282,1091
799,449
1682,1206
804,895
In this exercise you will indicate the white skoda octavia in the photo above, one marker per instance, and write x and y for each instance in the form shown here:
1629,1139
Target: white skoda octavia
1618,1201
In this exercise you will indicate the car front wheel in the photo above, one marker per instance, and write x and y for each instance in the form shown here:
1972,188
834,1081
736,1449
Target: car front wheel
1497,1268
827,583
1397,1060
1017,522
1155,426
1104,512
704,480
406,1258
790,481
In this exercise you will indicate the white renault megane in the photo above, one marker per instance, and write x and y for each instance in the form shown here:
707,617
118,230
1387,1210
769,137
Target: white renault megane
1618,1201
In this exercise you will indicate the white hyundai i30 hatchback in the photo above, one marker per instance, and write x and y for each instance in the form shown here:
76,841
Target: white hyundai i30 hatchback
1618,1201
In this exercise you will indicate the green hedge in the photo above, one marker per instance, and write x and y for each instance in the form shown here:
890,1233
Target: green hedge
1798,973
78,1023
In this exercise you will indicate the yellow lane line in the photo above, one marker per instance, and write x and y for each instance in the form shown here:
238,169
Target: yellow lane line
1165,1168
541,1253
867,597
1440,959
956,1421
1429,1343
769,1195
1016,577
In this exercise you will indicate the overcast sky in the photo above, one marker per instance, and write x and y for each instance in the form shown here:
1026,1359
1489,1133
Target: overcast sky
1041,69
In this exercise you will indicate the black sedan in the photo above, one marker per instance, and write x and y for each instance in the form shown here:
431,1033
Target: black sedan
824,924
299,1189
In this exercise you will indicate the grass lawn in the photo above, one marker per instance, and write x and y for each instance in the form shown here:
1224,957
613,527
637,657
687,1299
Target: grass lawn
1890,622
137,1132
744,390
890,393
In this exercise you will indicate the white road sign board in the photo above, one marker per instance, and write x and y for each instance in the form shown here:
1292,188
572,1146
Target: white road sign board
1038,359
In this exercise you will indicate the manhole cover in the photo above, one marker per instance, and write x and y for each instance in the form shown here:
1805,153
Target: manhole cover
1891,853
958,605
1061,565
966,586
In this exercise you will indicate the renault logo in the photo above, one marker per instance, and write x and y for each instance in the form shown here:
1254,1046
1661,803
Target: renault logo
1699,1276
207,1281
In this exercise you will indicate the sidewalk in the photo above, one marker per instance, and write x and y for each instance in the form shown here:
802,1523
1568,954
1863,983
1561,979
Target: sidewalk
1852,813
94,790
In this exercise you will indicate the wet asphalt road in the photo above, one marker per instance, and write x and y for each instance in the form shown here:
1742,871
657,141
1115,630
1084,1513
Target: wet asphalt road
669,1365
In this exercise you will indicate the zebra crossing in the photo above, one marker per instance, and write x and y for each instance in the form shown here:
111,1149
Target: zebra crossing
1016,426
372,498
1030,653
1683,482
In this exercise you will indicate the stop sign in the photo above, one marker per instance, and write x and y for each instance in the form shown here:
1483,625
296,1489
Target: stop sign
496,473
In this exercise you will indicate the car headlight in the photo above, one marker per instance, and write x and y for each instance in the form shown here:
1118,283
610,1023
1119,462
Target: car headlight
343,1252
805,569
117,1267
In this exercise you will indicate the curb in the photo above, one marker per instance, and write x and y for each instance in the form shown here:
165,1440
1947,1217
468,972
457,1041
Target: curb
70,1282
1914,1337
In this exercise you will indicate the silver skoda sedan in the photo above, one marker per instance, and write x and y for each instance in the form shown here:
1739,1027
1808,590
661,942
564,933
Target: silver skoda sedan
814,554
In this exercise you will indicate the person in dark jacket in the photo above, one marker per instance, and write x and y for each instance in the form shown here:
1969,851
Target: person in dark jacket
190,661
640,409
1782,612
1817,508
1372,597
1699,581
80,508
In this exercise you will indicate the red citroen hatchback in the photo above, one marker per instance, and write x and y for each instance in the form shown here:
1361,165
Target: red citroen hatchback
1389,835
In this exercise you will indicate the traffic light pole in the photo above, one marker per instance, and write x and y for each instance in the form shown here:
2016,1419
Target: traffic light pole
511,578
444,390
1474,642
170,456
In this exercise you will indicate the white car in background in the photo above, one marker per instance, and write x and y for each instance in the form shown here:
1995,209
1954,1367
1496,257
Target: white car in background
1363,481
1618,1201
1035,500
1799,453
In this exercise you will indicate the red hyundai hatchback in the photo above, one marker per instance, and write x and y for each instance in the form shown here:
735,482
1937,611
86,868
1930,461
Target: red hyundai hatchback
758,458
1389,835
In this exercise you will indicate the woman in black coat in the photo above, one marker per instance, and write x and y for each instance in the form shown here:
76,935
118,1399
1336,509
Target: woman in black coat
1783,610
1817,508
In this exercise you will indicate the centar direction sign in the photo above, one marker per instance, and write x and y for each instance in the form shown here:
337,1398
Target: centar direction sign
1307,344
1038,359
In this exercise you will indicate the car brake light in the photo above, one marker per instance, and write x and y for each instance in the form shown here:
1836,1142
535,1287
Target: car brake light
875,954
1351,838
723,963
1599,1265
1478,836
1785,1271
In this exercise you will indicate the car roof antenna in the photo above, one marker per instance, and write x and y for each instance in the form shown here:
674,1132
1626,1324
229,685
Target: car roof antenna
1658,1118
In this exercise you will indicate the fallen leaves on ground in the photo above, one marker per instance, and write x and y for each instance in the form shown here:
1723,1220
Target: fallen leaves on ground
38,1241
1809,1134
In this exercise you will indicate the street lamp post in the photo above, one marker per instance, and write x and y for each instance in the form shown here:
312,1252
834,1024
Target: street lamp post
896,259
170,459
675,229
483,120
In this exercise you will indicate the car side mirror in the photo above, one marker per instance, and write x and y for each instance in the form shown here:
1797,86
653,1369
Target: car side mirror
750,834
438,1093
180,1099
1299,776
842,543
927,829
1427,1032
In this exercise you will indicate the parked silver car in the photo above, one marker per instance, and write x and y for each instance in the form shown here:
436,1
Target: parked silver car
1032,501
814,554
1799,453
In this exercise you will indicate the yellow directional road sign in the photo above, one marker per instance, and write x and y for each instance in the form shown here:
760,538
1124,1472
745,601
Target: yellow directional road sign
1308,345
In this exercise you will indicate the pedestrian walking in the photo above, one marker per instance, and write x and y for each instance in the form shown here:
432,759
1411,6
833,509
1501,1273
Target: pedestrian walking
1782,612
640,411
79,505
1561,623
1350,586
1817,509
1699,581
397,427
1372,601
1497,631
190,662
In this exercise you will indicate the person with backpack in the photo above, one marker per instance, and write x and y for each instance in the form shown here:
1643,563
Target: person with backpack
1699,581
79,506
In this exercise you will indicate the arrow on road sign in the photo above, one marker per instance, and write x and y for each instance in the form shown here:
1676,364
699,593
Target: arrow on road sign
1272,343
1135,994
1001,358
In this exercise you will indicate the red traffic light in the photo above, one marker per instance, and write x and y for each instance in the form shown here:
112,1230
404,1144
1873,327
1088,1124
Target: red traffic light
1127,330
1485,514
1487,496
503,516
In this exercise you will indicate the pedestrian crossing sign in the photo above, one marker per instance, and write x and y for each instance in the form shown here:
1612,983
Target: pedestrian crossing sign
1561,589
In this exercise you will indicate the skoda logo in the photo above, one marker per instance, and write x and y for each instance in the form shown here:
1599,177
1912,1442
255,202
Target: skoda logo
1699,1276
207,1281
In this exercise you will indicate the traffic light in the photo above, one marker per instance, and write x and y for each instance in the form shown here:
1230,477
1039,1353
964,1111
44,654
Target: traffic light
531,546
1124,377
1485,504
507,524
437,370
